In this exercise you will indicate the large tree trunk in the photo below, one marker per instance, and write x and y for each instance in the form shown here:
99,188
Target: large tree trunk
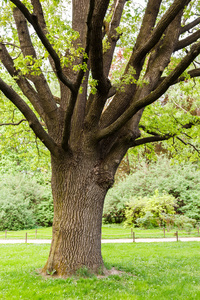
78,204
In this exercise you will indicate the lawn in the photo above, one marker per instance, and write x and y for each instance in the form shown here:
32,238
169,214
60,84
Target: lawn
113,231
152,271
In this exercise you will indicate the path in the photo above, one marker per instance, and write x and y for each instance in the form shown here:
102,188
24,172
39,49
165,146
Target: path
107,241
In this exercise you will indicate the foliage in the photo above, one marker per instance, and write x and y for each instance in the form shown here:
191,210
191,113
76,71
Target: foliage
26,153
183,222
15,215
177,108
147,211
24,203
114,209
44,213
168,220
182,181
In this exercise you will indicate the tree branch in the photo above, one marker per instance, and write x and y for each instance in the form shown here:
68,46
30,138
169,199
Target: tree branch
151,139
158,31
148,131
88,44
23,83
96,49
185,143
112,35
154,95
192,74
13,124
46,98
33,20
30,116
73,99
187,41
190,25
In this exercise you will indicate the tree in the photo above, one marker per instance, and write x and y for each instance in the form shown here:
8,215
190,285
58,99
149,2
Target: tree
86,133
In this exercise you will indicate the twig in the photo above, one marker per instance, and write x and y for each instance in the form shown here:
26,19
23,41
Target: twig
185,143
14,124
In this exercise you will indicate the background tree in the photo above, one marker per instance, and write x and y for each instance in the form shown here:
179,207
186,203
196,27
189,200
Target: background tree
86,133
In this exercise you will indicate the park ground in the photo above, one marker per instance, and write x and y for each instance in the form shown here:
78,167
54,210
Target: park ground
149,271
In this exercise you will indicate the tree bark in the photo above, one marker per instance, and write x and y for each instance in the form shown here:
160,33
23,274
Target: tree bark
78,196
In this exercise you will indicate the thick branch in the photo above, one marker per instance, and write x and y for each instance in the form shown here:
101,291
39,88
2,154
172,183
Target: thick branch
23,83
159,91
148,21
188,41
75,99
112,34
192,74
68,116
96,50
167,18
30,116
33,20
190,25
151,139
46,98
88,43
37,10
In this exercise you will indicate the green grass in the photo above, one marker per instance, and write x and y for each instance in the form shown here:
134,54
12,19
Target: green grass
108,232
153,271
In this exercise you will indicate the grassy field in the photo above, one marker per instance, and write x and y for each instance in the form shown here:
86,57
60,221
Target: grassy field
153,271
108,232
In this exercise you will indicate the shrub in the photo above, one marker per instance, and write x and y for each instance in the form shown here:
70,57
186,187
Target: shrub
182,181
147,221
114,209
188,227
16,215
181,221
168,220
24,203
44,213
149,210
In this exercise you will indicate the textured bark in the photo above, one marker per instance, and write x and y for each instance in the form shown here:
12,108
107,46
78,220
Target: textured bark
78,203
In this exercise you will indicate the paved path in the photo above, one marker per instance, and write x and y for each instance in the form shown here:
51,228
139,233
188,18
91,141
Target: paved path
38,241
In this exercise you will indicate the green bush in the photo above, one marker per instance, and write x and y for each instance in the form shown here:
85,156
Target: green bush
24,203
114,209
16,215
182,221
148,211
44,213
182,181
168,220
147,221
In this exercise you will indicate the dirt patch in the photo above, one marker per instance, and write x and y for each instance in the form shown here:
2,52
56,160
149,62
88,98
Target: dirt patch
113,271
104,274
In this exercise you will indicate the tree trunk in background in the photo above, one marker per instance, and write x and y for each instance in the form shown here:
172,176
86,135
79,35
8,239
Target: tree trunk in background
78,206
